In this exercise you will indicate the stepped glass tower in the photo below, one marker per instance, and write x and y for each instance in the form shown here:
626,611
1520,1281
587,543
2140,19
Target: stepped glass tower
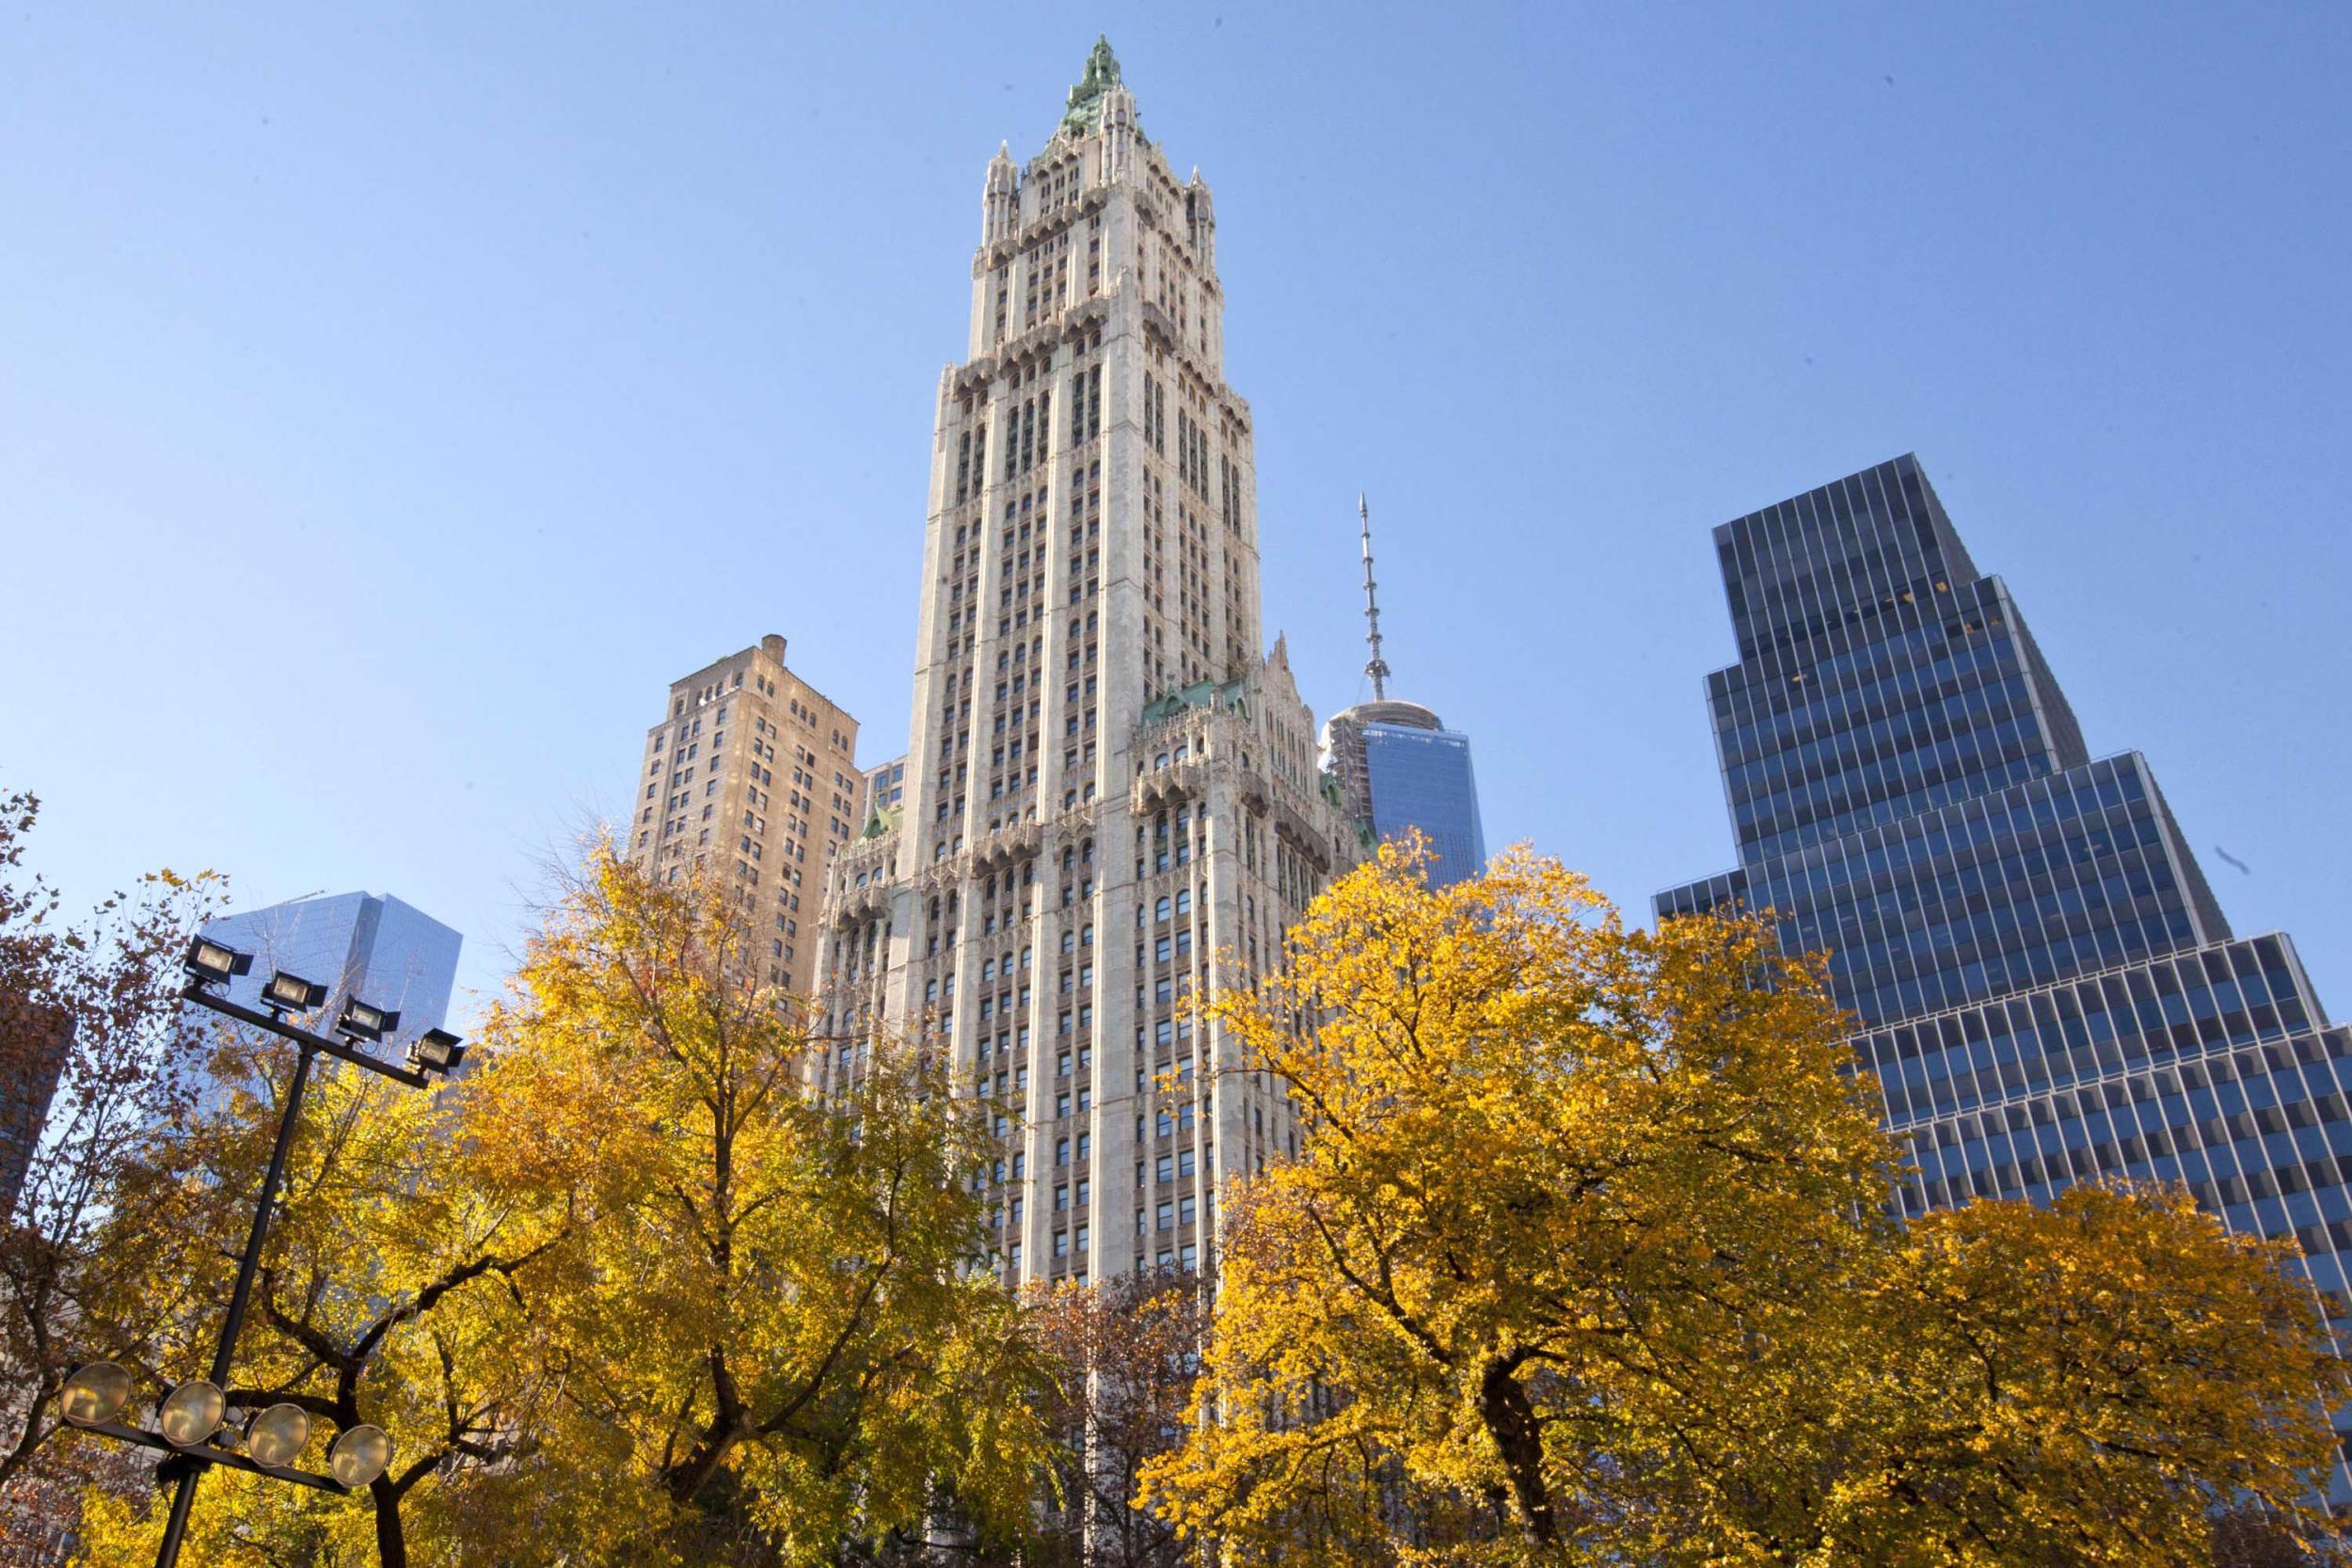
1111,795
2046,990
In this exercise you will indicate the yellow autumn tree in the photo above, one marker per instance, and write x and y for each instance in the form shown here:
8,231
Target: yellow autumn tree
392,1294
770,1339
1586,1261
635,1289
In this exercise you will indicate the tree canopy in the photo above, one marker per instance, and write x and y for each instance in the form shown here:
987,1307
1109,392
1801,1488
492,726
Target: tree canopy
1586,1260
636,1289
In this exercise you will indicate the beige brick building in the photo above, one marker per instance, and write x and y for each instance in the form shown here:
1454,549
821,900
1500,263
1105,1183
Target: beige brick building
751,777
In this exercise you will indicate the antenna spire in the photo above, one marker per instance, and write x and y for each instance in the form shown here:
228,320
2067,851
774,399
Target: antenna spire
1378,668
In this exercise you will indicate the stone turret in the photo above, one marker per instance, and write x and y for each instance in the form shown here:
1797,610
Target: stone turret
1121,135
1200,216
1000,206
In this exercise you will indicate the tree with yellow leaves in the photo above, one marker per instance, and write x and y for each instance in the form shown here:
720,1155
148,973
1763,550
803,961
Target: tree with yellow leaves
636,1289
771,1339
390,1293
1586,1260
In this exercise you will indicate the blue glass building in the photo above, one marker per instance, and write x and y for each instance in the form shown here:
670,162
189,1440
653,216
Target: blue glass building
1422,780
1399,771
375,947
2046,988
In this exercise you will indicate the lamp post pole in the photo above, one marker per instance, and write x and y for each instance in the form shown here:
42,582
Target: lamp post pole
183,1497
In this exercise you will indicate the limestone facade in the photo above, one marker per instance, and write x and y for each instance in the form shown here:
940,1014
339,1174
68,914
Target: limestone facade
1112,801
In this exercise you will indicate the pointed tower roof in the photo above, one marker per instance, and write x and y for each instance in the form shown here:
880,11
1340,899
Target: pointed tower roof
1376,668
1084,111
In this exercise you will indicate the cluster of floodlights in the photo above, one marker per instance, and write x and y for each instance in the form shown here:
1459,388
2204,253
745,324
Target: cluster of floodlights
210,962
193,1418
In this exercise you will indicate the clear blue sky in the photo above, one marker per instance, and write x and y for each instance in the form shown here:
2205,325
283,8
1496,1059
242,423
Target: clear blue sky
393,402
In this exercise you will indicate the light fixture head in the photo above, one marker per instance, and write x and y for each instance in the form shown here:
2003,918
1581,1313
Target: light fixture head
291,993
94,1394
191,1413
215,963
362,1022
360,1455
277,1436
437,1051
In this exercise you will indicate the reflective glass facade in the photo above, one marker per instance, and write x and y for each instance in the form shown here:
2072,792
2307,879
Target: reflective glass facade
2046,988
2077,870
385,952
1422,778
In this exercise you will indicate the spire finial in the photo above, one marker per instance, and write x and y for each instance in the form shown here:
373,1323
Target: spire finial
1378,668
1085,108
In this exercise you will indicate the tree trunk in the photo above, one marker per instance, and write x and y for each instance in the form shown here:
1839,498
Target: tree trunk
392,1541
1510,1420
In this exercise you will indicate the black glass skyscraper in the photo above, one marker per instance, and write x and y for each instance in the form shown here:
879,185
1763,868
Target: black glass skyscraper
2047,990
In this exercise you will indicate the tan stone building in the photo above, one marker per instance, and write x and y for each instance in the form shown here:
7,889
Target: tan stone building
751,777
1112,801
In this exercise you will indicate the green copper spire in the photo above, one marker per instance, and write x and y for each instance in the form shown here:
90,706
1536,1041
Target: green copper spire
1084,110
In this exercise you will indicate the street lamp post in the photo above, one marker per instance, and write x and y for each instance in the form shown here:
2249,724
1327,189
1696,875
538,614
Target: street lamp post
192,1413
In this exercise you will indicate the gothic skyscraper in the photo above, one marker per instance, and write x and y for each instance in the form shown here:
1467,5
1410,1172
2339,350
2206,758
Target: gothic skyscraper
2047,990
1110,789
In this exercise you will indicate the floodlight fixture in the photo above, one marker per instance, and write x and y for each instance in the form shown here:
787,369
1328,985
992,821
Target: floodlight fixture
437,1051
191,1413
291,993
215,963
94,1394
362,1022
360,1455
278,1434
